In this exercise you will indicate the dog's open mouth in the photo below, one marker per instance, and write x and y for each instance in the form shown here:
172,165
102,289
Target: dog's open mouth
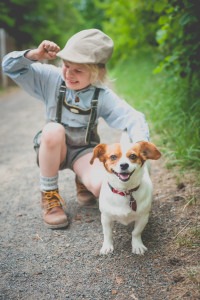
123,176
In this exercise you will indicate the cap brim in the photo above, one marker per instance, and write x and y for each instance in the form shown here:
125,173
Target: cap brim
75,58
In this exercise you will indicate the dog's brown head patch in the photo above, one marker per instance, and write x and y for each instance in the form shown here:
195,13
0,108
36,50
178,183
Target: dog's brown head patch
108,154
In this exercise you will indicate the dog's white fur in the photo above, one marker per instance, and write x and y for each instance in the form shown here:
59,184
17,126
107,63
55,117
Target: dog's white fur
127,169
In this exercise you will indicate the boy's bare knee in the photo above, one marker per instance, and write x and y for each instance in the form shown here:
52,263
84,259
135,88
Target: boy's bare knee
53,134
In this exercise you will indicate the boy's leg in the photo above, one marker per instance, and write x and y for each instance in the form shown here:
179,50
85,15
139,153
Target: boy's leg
52,153
53,149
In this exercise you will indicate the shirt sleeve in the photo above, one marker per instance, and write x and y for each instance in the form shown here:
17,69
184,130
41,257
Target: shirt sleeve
120,115
34,77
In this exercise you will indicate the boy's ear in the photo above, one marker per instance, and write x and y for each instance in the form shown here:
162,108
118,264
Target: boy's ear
149,151
98,152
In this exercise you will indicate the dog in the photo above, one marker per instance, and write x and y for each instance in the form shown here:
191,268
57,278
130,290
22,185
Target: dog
126,191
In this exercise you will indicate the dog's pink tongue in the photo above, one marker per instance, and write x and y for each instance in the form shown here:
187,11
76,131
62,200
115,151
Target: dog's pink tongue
123,176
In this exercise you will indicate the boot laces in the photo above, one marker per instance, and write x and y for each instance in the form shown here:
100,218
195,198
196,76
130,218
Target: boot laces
53,199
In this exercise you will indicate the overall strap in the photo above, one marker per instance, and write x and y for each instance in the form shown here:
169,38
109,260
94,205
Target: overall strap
93,112
93,116
61,97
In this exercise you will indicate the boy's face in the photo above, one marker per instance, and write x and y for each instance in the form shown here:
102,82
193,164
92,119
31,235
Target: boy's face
76,76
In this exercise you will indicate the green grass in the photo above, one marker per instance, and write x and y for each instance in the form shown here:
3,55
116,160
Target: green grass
171,106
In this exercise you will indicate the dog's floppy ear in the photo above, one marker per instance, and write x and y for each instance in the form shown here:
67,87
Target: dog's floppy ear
149,151
98,152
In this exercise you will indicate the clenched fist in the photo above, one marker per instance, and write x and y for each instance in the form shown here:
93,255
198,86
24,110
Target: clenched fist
46,50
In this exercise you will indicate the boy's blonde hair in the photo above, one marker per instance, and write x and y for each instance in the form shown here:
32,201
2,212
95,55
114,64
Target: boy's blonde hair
98,73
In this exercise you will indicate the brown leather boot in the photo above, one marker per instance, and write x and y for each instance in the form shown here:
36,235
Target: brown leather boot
84,196
53,213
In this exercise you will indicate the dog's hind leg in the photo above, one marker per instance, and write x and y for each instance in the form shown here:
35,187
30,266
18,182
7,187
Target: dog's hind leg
137,244
107,225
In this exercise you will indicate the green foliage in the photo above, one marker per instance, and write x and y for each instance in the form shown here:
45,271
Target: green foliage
131,24
179,38
30,22
91,13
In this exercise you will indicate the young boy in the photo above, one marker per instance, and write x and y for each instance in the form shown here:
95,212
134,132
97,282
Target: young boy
61,144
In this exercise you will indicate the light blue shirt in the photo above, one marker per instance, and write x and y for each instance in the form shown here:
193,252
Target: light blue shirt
43,81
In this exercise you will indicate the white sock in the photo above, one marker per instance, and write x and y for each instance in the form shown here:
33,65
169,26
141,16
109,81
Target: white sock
48,183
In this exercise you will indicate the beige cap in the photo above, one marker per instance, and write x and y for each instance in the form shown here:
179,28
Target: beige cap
90,46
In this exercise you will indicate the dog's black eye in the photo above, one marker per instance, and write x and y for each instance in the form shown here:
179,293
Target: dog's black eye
113,157
133,156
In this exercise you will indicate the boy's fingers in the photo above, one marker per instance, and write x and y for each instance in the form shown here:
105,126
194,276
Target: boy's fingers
52,54
51,46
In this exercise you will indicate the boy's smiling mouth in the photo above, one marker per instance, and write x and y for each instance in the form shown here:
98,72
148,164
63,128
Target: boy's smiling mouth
72,81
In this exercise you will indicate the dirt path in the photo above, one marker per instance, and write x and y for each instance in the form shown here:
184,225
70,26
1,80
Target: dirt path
39,263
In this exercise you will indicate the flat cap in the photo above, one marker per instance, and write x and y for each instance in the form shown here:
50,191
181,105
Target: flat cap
90,46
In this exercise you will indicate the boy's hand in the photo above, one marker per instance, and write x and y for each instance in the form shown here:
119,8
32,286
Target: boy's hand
46,50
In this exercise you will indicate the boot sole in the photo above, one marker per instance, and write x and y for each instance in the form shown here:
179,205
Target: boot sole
59,226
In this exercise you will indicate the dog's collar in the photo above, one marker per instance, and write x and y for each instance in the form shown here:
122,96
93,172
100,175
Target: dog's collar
132,201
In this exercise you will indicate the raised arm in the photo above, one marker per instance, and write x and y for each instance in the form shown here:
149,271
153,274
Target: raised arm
28,70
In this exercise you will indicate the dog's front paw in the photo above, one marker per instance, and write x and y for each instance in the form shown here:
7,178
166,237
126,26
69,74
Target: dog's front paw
138,247
106,249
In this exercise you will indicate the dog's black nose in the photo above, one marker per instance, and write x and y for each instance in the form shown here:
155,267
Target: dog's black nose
124,166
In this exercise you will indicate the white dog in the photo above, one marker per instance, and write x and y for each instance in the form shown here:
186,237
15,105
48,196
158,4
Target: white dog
126,192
